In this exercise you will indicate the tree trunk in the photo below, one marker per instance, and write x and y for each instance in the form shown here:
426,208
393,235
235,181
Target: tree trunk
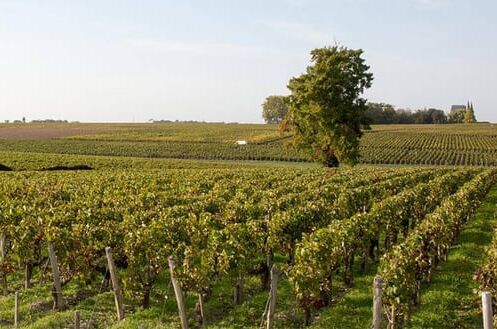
146,296
5,289
374,244
265,276
386,245
332,161
417,294
364,260
348,278
326,292
28,274
308,316
238,291
291,253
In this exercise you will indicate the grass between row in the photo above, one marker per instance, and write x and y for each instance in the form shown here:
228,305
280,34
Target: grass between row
450,301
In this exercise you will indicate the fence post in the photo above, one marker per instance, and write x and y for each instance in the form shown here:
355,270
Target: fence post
77,320
116,284
59,301
16,309
377,302
272,301
179,294
486,300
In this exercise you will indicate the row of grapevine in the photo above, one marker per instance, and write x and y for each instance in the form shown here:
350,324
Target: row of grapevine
486,274
427,157
191,215
413,140
411,262
217,224
466,146
287,227
326,251
171,150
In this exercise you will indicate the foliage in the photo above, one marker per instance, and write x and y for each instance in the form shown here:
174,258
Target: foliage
456,115
428,116
331,249
381,113
411,262
326,112
274,109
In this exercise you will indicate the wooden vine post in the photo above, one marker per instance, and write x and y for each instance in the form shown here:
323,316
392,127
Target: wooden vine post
3,254
116,284
377,302
486,300
272,298
57,287
178,293
201,310
77,320
16,309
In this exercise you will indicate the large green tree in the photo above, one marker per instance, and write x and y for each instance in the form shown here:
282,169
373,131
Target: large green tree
325,109
274,109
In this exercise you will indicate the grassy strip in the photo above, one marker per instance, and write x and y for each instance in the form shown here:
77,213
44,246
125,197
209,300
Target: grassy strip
450,300
99,308
36,312
354,310
219,309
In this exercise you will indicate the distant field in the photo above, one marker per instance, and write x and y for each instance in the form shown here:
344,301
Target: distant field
474,144
54,130
171,132
31,161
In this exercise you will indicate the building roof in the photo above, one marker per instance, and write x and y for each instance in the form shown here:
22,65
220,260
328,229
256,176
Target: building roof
458,107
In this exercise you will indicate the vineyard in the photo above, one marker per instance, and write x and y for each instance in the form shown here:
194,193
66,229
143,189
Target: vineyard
225,165
30,161
326,231
465,145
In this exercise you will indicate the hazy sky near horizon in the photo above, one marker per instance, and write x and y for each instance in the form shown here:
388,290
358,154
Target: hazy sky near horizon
123,60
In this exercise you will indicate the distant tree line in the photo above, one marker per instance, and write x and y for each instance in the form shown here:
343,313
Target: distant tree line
274,110
382,113
23,120
49,121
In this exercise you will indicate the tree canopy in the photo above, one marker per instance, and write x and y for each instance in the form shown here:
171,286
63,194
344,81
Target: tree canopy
382,113
274,109
457,115
325,109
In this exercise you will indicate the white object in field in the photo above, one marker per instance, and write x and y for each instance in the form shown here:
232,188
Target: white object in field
241,142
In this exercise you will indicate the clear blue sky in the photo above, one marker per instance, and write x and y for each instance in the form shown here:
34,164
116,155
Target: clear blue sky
123,60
